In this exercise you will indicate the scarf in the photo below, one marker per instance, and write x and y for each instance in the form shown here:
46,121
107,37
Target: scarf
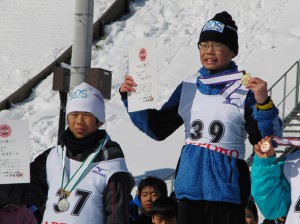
213,89
83,146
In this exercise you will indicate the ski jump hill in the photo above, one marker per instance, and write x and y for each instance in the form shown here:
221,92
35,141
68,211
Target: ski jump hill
113,13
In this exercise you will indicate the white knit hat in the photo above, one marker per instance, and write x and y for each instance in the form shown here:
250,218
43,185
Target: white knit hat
85,98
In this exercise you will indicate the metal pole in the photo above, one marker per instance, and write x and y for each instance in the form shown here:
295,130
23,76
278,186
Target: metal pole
297,85
62,114
284,96
82,41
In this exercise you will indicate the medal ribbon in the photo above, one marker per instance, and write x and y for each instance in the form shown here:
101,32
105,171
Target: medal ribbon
287,141
74,180
225,78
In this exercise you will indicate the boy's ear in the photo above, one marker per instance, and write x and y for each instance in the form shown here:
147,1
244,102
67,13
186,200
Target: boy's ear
99,123
232,54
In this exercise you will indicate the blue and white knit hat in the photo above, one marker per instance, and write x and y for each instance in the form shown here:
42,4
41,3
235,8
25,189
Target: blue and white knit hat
85,98
221,28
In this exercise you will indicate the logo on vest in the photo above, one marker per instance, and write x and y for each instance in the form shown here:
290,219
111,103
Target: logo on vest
98,170
228,100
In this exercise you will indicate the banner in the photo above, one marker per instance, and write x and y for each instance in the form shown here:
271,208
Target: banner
14,152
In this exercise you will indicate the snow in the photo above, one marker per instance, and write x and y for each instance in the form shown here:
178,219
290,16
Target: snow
35,32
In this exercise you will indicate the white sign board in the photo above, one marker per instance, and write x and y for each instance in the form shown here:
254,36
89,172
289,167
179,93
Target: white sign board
14,152
142,68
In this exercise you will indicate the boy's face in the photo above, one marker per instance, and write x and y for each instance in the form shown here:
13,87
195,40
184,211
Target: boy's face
249,217
156,219
216,56
82,124
148,196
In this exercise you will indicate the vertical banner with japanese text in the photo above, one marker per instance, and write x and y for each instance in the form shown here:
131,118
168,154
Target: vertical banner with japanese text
14,152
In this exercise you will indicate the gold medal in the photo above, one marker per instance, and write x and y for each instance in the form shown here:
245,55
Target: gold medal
64,192
265,147
63,205
245,78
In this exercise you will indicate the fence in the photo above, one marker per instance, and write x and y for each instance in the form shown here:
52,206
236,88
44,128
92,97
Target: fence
290,93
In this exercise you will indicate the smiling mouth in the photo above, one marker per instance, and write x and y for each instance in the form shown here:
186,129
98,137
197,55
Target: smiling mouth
210,60
79,130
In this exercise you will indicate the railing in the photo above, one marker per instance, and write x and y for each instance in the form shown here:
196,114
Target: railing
282,103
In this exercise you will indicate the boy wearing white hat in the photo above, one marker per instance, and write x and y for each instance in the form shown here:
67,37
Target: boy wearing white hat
85,179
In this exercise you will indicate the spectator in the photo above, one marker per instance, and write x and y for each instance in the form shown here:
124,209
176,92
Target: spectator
149,189
133,205
165,211
275,185
251,216
14,214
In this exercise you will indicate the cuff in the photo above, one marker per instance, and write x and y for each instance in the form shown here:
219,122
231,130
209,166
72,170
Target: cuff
264,161
123,95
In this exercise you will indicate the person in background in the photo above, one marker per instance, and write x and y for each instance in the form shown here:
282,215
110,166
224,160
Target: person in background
14,214
275,185
133,205
213,181
251,214
149,190
267,221
164,211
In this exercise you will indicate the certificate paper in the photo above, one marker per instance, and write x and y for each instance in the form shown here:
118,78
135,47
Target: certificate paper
14,152
142,68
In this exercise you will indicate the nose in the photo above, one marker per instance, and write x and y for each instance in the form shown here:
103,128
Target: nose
149,198
210,48
79,119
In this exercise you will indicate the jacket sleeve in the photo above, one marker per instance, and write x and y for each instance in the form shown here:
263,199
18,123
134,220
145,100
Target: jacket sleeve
270,189
261,123
38,178
117,198
158,124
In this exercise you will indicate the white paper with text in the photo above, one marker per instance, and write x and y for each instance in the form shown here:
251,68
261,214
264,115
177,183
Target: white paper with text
14,152
142,67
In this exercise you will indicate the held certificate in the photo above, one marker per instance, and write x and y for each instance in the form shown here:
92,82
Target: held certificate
142,68
14,152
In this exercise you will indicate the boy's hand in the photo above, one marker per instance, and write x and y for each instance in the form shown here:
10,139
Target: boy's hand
258,148
259,88
128,85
